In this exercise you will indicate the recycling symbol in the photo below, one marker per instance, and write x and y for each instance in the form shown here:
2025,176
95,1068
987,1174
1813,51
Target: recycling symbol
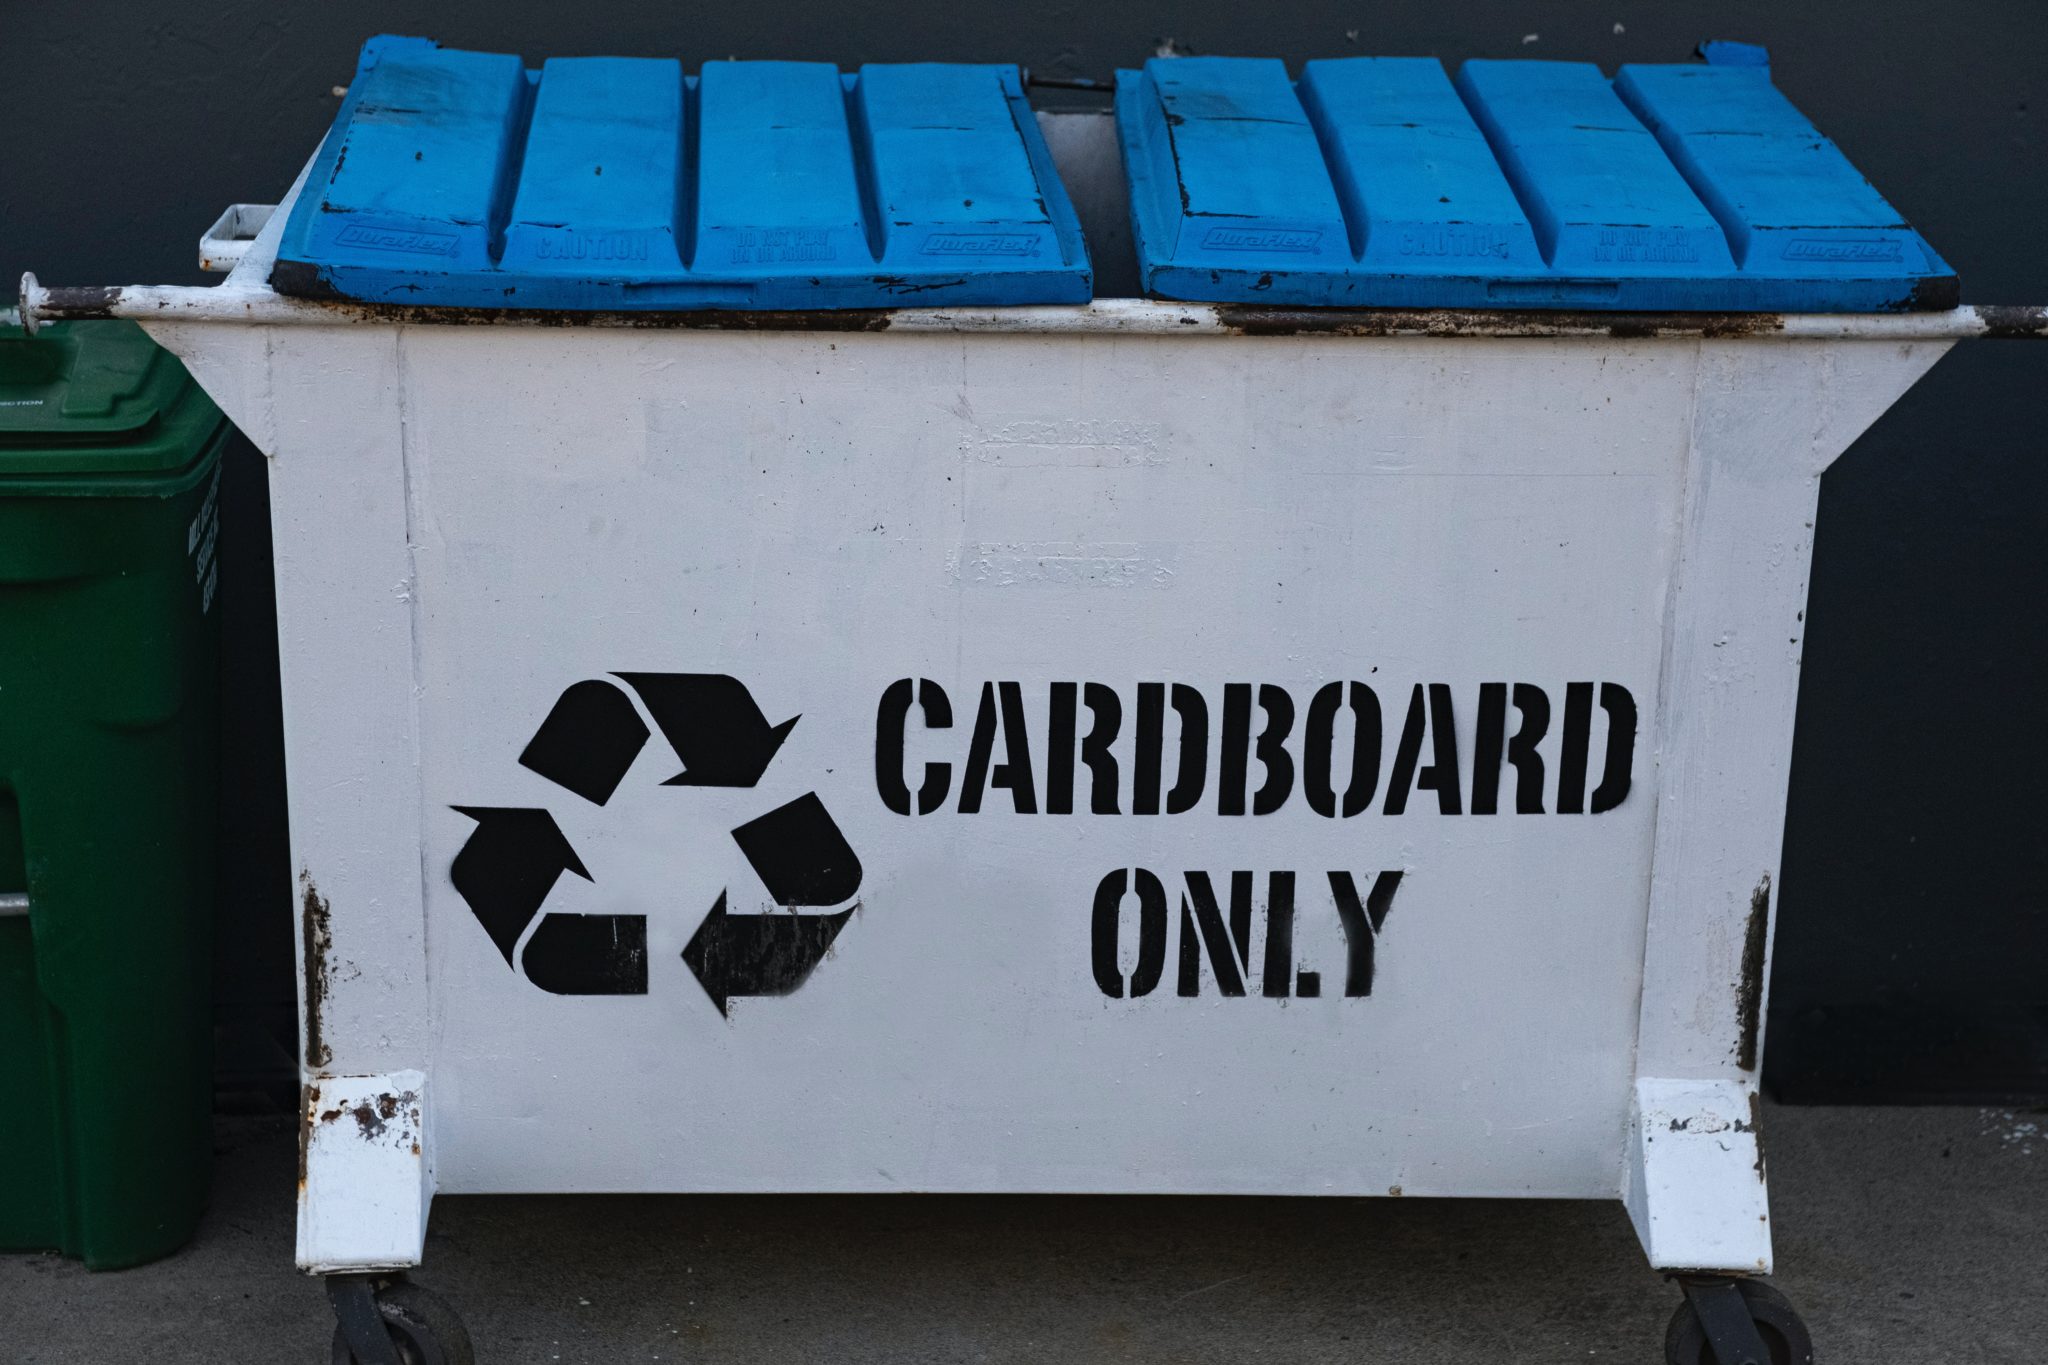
515,855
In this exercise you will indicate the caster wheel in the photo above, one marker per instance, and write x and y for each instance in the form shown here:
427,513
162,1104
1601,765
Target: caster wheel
1784,1336
424,1330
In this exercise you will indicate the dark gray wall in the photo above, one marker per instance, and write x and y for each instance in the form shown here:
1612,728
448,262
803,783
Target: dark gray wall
1913,952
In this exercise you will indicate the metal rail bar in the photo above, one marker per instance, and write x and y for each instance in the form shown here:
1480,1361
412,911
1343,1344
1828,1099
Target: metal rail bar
259,304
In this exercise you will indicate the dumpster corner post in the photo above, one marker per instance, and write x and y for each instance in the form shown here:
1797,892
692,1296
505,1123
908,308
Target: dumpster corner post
1734,627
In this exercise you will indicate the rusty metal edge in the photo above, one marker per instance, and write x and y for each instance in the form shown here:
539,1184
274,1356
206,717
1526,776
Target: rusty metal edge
1253,321
262,305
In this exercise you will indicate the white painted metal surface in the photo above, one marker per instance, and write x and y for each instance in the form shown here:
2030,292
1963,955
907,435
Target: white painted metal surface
222,246
368,1175
1690,1144
1039,514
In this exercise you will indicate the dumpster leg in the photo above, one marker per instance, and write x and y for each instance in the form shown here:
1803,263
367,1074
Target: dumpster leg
366,1178
1695,1180
381,1320
1725,1321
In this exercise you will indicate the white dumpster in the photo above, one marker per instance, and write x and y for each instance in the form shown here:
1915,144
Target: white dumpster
1123,747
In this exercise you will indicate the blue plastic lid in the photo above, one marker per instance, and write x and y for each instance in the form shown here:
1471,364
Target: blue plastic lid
462,179
1380,182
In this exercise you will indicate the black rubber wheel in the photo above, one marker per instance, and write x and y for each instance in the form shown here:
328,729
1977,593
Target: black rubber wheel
1784,1335
422,1326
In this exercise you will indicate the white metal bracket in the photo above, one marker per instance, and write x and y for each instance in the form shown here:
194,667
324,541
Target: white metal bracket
1695,1182
366,1173
222,246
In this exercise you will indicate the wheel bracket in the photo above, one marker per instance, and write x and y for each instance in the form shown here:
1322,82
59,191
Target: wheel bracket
1724,1314
354,1298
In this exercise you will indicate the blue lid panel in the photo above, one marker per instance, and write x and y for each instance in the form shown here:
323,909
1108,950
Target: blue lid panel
455,123
1381,182
949,167
1240,197
1601,194
461,179
1788,199
1414,171
597,188
778,192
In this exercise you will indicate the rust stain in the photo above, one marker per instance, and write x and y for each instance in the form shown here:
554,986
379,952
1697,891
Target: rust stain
1251,320
1756,1131
2001,322
374,1116
84,301
1749,987
370,1120
2008,323
316,934
309,1100
286,277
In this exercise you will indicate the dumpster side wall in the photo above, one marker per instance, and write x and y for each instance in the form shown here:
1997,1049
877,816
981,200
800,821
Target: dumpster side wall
1039,507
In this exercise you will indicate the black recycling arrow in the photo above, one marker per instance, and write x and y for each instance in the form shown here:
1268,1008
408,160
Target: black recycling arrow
506,868
588,954
800,855
588,741
758,954
714,725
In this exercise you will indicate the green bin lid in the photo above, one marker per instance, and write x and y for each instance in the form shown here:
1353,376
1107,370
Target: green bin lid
97,398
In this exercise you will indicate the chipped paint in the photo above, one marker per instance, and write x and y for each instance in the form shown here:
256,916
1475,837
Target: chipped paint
309,1100
367,1176
2005,323
316,940
376,1114
1252,321
392,1113
1755,1129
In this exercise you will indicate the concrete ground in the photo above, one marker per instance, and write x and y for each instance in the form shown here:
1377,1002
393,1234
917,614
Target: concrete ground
1905,1235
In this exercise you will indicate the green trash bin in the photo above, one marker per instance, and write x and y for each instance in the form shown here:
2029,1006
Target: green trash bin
109,512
